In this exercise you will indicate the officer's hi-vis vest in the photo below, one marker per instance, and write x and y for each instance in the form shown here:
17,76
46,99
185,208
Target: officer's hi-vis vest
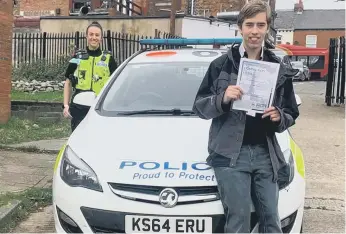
92,73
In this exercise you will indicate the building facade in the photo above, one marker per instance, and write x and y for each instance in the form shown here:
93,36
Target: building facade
6,15
309,28
35,8
221,9
315,28
32,8
316,38
284,24
205,8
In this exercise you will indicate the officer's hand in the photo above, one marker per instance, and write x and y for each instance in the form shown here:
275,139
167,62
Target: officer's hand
273,113
232,93
66,112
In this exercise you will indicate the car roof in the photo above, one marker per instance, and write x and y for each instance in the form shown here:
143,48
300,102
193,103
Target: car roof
178,55
185,55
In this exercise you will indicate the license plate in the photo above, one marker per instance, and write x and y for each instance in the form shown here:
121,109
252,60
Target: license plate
140,224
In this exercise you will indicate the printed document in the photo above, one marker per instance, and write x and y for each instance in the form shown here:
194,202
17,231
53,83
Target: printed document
258,80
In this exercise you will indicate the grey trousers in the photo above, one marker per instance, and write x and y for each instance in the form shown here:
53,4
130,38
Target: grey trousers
251,178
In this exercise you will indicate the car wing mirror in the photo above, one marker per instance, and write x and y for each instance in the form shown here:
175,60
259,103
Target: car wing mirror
298,100
85,98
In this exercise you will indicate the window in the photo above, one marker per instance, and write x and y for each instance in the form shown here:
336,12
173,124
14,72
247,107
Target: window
278,39
312,61
311,41
303,59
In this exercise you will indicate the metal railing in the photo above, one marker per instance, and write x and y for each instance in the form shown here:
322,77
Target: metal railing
51,47
335,88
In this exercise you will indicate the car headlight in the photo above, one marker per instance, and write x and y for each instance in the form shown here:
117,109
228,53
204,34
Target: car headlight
76,173
286,174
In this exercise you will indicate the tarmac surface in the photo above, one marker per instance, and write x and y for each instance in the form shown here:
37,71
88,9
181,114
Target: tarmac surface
319,131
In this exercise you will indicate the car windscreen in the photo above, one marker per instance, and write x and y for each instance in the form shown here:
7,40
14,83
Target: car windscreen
298,65
155,86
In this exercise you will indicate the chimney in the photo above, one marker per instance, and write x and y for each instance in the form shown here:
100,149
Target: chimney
299,7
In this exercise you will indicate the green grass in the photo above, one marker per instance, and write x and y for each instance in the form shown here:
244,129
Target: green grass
19,130
56,96
33,199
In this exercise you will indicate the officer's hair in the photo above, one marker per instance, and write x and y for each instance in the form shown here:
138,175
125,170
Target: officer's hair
94,24
253,8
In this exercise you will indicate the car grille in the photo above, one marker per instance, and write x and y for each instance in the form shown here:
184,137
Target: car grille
150,194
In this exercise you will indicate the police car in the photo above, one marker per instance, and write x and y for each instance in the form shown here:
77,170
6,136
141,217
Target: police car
136,163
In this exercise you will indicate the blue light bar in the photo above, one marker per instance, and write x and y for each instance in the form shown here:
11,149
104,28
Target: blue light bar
191,41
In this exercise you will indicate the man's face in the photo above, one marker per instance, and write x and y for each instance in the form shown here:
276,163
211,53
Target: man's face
254,30
94,37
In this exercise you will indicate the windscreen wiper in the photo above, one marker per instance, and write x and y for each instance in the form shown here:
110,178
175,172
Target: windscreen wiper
160,112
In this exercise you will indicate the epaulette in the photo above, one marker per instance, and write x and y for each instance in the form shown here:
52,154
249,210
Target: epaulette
82,54
104,54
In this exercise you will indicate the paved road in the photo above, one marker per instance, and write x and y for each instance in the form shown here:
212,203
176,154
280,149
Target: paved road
320,133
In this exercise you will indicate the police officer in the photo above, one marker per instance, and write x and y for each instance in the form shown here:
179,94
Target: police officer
88,70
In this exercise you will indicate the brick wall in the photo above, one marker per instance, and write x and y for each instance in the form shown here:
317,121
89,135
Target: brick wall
142,4
6,21
44,7
37,111
201,7
323,36
211,8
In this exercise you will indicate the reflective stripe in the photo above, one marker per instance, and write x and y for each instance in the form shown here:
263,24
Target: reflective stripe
298,157
58,158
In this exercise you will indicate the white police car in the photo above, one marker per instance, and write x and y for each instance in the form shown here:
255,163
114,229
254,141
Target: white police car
137,162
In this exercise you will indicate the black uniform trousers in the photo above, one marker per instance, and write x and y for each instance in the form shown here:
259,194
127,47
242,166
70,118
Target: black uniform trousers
78,113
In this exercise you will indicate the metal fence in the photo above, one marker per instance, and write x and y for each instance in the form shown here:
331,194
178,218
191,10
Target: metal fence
52,47
335,88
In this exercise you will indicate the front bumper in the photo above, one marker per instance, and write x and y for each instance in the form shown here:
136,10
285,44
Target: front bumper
102,221
299,76
78,210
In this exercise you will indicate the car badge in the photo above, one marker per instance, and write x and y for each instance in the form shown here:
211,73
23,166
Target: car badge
168,197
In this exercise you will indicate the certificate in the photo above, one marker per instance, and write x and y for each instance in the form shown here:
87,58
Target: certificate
258,80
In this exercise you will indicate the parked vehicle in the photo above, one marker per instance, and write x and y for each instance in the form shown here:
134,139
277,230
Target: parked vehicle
136,163
316,59
304,72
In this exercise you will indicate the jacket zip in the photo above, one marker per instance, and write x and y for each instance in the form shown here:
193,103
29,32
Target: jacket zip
92,74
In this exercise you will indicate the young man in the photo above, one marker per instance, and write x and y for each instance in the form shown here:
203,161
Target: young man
244,151
88,73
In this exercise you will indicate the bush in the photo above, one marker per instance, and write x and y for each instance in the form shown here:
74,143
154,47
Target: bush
41,70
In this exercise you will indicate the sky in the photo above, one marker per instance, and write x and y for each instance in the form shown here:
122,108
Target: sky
310,4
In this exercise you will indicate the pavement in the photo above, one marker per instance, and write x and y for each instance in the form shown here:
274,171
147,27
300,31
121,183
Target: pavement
20,170
52,146
320,132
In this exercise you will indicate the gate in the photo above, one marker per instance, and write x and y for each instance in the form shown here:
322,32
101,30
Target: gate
335,88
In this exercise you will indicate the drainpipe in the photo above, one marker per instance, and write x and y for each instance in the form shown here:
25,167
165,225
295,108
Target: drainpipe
192,7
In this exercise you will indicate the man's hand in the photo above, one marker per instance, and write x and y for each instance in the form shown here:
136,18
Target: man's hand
273,113
232,93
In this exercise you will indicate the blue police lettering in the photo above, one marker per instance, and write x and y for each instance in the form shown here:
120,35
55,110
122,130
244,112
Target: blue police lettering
183,166
127,163
141,176
195,176
167,166
142,165
194,166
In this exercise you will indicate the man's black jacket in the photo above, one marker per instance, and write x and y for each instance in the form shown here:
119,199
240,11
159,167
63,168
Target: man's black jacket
227,128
